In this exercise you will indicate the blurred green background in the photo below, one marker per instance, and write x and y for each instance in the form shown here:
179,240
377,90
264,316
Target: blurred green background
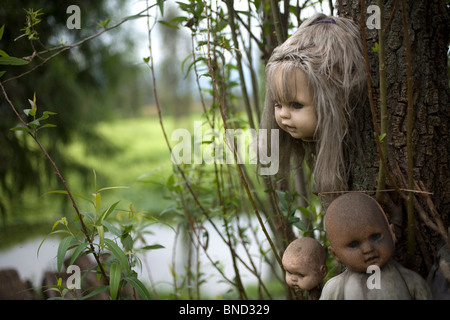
106,119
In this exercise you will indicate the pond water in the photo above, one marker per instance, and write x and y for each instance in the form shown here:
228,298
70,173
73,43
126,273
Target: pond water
156,263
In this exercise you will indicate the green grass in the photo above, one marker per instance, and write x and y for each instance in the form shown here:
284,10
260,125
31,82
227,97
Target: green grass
141,160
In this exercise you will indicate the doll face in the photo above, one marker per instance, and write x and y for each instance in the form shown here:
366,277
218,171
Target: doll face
367,240
296,116
303,273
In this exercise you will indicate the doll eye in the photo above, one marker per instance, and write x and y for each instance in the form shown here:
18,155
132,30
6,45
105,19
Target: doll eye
375,236
297,105
353,244
277,105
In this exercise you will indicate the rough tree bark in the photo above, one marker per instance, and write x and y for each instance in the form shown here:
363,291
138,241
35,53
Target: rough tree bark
428,27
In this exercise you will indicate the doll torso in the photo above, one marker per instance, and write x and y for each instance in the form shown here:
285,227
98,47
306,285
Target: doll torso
396,283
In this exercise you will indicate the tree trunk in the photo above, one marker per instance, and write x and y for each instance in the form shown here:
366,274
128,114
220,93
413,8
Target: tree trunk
428,27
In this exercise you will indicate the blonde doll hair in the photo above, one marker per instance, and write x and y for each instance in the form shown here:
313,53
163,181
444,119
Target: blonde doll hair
329,51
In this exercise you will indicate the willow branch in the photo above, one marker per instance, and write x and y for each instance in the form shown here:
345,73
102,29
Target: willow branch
239,166
383,106
61,178
277,21
63,48
409,127
371,100
245,97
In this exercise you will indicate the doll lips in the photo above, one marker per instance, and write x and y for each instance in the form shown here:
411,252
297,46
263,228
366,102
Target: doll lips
290,129
371,260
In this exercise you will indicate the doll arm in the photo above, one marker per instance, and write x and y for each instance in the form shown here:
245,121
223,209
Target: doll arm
417,286
333,288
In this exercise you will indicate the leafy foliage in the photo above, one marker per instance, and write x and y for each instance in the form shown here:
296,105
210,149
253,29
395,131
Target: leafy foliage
224,198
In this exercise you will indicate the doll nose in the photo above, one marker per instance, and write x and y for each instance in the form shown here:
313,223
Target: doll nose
285,113
366,247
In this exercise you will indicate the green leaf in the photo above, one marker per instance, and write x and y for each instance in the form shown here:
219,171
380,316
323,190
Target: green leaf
48,125
98,202
300,225
2,73
76,253
34,124
114,280
106,213
95,292
13,61
101,234
153,247
293,220
376,48
88,215
161,6
46,115
115,231
62,249
50,234
127,241
137,16
2,29
55,224
3,53
29,112
21,129
118,253
139,286
112,188
305,212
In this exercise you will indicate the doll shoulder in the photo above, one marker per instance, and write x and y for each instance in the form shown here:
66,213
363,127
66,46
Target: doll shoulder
417,286
333,288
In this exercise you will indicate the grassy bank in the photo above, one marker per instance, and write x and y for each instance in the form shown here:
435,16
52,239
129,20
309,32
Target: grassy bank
139,160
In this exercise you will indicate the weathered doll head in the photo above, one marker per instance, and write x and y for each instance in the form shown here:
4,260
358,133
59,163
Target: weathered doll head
305,264
314,80
359,232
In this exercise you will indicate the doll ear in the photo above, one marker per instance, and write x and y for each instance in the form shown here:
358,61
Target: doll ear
333,253
324,270
392,230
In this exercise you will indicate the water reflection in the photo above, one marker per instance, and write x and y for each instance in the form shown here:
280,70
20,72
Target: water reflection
156,263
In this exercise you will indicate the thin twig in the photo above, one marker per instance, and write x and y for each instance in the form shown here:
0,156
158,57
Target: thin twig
245,97
437,218
390,17
277,21
383,105
373,191
63,48
371,99
409,127
61,178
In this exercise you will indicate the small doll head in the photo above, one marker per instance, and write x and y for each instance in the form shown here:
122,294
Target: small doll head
305,264
359,232
314,80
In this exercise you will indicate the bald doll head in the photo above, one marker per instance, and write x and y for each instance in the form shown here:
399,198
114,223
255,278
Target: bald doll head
359,232
305,263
